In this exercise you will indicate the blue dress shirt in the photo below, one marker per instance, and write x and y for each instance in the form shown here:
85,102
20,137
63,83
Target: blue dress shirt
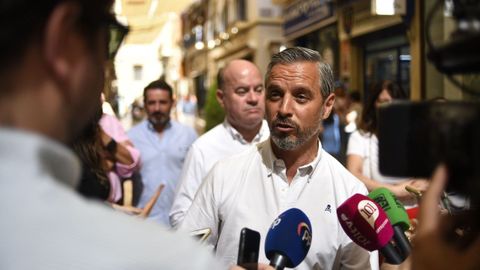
161,162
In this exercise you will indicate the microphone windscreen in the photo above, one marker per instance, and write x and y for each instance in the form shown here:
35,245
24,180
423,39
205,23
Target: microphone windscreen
291,236
365,222
395,210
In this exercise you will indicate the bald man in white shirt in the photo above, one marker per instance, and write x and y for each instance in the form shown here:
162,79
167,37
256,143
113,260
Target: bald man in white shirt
241,94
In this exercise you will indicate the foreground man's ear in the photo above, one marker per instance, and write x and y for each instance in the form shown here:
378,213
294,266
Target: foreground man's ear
61,42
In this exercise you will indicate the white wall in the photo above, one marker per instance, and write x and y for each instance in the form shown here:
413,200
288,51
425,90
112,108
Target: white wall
148,56
127,57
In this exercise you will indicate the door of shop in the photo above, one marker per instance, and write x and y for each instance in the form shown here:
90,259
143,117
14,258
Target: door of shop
387,58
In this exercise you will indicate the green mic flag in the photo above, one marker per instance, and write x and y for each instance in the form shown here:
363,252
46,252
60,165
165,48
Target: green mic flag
393,207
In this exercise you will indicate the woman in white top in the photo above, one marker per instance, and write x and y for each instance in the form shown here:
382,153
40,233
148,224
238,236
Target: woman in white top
362,151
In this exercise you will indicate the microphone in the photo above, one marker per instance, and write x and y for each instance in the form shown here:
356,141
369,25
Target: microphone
248,248
368,226
288,239
396,214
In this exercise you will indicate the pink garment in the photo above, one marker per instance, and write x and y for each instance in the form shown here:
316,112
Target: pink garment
115,187
114,129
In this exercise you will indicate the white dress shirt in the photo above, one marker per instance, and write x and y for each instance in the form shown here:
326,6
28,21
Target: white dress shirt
45,224
251,190
220,142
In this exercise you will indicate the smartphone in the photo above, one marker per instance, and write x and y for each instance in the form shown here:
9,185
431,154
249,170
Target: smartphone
248,249
201,234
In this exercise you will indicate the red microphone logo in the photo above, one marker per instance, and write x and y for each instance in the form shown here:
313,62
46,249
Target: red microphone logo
304,231
369,211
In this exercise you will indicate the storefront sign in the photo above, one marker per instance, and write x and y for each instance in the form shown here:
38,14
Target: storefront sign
304,13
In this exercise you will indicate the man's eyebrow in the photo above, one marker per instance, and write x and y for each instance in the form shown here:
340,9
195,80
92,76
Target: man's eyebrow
239,88
302,89
273,86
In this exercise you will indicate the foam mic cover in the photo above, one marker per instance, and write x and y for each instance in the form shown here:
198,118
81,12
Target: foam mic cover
396,214
288,239
392,206
365,222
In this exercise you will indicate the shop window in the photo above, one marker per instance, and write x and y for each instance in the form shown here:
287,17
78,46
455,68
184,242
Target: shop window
200,90
241,8
225,17
325,41
137,72
388,59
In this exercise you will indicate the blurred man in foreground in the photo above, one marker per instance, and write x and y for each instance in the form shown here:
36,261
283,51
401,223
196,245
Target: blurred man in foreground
53,55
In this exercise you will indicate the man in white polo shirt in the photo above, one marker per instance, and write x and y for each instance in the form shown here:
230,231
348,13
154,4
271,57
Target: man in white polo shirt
289,170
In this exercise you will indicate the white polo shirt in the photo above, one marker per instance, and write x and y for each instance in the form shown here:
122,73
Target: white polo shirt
250,190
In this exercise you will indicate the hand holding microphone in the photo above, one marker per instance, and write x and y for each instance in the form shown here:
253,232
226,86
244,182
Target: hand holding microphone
289,239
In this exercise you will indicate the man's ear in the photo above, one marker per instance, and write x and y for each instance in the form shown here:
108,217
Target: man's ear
328,105
220,94
61,41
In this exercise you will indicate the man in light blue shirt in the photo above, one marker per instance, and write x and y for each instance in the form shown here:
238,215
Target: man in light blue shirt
163,144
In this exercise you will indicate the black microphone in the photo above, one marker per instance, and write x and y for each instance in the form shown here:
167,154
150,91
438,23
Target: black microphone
248,249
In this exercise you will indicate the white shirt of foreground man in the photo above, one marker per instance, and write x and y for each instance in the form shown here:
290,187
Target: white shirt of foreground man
54,228
289,170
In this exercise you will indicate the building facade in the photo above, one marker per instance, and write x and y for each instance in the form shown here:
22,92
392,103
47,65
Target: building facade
216,31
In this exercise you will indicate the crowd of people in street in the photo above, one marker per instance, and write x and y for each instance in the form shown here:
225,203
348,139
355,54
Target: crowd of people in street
65,163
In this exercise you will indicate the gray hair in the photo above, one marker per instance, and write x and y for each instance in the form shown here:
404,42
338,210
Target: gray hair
300,54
